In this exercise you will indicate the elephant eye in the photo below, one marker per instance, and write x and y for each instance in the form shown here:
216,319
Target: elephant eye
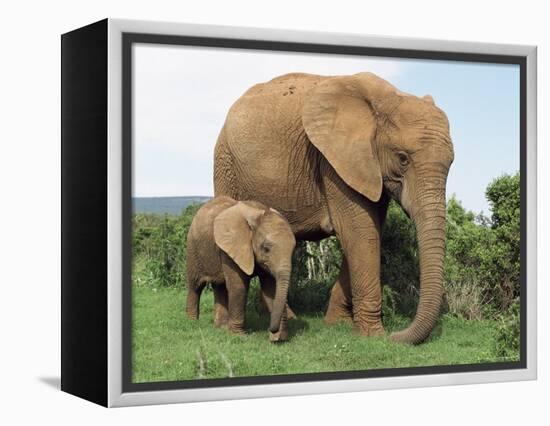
403,159
266,247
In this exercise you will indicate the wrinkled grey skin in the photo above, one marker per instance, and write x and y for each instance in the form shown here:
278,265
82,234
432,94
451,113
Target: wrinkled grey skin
228,243
329,153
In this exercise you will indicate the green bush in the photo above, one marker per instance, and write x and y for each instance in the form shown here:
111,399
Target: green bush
315,268
481,260
160,242
507,333
482,257
504,196
467,263
390,313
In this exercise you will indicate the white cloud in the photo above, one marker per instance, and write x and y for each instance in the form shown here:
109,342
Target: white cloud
181,97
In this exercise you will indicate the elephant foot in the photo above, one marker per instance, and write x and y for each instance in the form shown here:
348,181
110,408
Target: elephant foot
369,330
192,316
222,325
331,320
339,305
336,315
236,328
221,319
192,312
280,336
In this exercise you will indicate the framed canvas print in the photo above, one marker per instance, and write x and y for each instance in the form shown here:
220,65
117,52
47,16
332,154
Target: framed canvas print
252,213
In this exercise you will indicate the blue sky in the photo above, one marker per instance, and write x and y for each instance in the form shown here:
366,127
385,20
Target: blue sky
182,94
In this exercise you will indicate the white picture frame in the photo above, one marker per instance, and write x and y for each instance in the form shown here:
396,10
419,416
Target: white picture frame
120,34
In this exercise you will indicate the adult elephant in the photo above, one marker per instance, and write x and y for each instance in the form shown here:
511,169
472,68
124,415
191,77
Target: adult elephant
329,153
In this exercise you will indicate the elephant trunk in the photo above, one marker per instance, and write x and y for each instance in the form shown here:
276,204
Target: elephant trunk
430,227
279,303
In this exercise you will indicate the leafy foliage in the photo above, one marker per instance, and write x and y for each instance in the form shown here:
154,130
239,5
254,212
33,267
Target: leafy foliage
162,241
482,263
484,253
504,196
467,262
507,333
315,268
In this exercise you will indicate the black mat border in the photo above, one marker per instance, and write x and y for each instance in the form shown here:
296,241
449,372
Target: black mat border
128,39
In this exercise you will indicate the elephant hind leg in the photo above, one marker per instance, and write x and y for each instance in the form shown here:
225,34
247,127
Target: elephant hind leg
340,303
193,300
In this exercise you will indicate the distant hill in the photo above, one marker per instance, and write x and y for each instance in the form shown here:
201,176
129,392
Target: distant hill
165,205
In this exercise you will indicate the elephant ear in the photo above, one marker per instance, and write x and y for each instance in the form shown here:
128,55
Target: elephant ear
341,123
233,234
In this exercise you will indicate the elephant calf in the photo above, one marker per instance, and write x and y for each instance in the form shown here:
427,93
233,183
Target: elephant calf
229,242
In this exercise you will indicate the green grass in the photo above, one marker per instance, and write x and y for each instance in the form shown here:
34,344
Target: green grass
168,346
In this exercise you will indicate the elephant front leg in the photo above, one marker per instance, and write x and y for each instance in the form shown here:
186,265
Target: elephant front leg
340,302
366,291
357,224
357,295
237,288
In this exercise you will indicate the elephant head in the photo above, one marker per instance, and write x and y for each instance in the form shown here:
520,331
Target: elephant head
253,235
379,139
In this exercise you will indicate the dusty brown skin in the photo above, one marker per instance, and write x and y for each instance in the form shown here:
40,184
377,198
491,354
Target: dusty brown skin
329,153
228,243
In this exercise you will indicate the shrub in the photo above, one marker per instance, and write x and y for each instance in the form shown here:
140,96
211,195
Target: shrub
389,305
482,260
507,333
504,196
315,268
467,263
160,242
465,299
310,296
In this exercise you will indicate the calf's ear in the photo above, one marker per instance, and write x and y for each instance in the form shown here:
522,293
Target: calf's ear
233,234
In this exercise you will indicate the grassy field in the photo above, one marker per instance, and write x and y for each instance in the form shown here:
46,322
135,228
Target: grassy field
168,346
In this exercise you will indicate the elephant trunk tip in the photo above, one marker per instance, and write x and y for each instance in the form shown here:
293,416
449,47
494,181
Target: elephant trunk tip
404,337
418,332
